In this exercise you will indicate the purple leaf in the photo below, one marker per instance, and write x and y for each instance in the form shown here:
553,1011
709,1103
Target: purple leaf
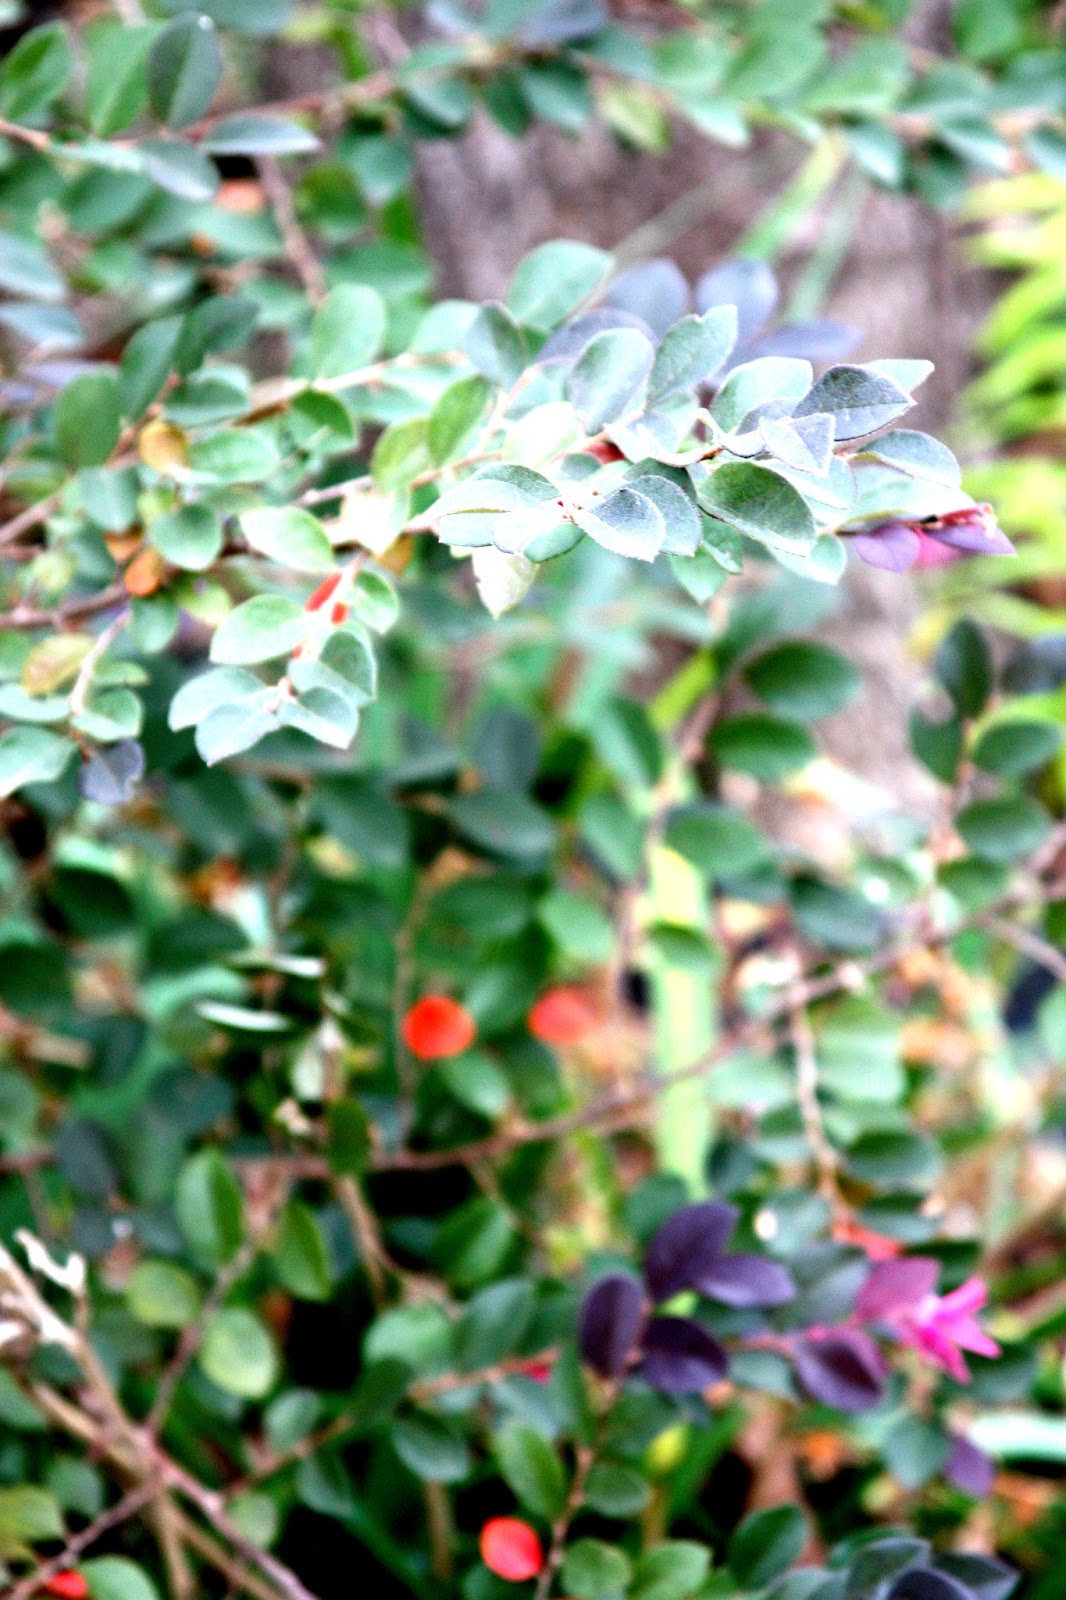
894,546
822,340
895,1286
746,1280
845,1370
924,1583
748,285
976,536
568,342
686,1245
656,291
111,774
680,1357
609,1322
968,1468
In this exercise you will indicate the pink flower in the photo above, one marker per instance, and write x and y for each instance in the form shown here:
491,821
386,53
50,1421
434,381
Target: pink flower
942,1326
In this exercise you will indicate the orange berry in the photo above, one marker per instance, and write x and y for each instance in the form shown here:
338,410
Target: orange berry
436,1027
563,1016
511,1549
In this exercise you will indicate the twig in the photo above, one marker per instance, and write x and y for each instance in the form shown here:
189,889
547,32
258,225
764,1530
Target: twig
83,682
131,1502
73,611
825,1158
298,249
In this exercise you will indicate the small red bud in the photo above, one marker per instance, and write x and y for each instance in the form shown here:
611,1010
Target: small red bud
604,452
316,601
436,1027
339,612
511,1549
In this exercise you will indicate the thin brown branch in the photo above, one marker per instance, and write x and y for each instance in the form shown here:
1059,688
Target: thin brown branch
822,1152
298,247
131,1502
25,618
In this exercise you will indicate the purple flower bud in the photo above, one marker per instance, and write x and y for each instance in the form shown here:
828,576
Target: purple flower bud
969,1469
977,536
893,546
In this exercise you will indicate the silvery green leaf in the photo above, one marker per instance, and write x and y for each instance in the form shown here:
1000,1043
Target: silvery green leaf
756,382
609,378
859,400
470,514
225,686
626,523
497,346
324,715
692,352
907,373
760,503
806,443
681,519
502,579
918,455
266,626
230,729
553,280
824,562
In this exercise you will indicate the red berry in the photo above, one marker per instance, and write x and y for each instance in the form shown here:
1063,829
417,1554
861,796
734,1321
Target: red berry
323,592
69,1584
339,612
604,452
563,1016
436,1027
511,1549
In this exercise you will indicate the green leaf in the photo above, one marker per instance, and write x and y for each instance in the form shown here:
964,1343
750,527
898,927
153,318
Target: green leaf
88,418
401,454
116,90
691,353
670,1570
1011,749
759,502
609,378
767,748
963,664
859,400
592,1569
27,270
162,1295
347,331
497,346
238,1353
35,72
266,626
938,745
803,680
721,843
190,537
766,1544
504,824
893,1159
553,281
28,1514
210,1208
291,537
147,362
456,419
179,168
532,1470
429,1449
117,1578
915,1449
184,69
627,523
616,1491
578,926
300,1254
30,755
1004,830
253,134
